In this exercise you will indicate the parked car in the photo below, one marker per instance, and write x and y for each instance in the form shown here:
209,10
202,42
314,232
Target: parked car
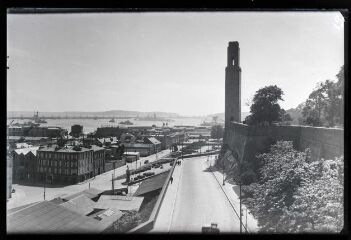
207,228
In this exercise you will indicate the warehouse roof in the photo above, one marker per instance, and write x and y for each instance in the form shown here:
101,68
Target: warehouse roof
80,204
154,140
49,217
152,184
119,202
90,193
24,151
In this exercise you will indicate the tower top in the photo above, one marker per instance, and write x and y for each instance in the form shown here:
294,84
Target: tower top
233,54
235,43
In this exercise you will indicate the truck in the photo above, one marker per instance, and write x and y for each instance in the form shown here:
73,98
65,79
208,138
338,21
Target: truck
210,228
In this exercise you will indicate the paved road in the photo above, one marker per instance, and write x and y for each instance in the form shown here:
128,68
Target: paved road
200,200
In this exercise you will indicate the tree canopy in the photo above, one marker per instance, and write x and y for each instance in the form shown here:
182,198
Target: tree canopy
294,194
217,131
265,107
324,106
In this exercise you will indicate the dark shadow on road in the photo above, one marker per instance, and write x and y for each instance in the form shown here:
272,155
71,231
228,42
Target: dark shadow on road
209,169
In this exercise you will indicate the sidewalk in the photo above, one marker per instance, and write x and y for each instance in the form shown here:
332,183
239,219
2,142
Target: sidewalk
163,220
234,199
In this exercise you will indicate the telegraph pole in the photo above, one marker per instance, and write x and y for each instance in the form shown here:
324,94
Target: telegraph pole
240,201
113,187
246,220
241,222
223,172
44,186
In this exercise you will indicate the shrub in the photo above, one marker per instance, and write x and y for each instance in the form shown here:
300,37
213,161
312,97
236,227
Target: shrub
129,220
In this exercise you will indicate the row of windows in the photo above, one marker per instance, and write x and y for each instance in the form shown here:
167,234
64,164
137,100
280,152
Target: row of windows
66,156
57,170
54,163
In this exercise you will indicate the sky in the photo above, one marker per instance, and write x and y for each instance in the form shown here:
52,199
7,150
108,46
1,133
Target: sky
170,61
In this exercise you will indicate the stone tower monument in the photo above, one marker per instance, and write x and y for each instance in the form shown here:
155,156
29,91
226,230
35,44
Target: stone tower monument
233,85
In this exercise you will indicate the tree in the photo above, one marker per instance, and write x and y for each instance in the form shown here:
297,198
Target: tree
129,220
325,104
280,176
318,203
310,114
295,194
217,131
285,116
265,107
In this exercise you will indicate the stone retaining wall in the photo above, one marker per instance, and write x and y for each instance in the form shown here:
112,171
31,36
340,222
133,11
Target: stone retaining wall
248,141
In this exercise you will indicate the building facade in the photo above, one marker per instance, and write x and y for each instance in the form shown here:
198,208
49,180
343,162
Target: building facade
76,130
70,164
25,164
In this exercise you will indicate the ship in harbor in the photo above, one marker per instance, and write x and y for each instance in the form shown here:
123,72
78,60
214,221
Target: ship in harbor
127,122
112,120
153,118
212,123
37,119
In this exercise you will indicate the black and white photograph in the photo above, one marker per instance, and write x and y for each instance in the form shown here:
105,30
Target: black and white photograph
207,122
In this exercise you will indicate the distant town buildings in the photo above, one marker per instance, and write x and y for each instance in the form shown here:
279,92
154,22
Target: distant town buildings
76,130
25,164
33,130
49,155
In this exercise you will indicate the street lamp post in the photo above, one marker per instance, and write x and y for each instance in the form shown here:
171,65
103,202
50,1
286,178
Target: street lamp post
113,187
223,173
44,185
241,222
208,150
246,221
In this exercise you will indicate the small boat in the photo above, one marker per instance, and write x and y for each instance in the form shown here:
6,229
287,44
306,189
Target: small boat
40,121
37,119
126,122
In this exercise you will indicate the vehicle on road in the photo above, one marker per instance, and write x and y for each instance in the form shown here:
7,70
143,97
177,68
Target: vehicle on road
210,228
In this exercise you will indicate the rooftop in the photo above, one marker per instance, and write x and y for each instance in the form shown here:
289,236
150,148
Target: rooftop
154,140
50,217
90,193
119,202
131,153
152,184
66,148
24,151
80,204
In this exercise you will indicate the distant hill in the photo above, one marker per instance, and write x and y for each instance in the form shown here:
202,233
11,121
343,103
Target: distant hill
114,113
